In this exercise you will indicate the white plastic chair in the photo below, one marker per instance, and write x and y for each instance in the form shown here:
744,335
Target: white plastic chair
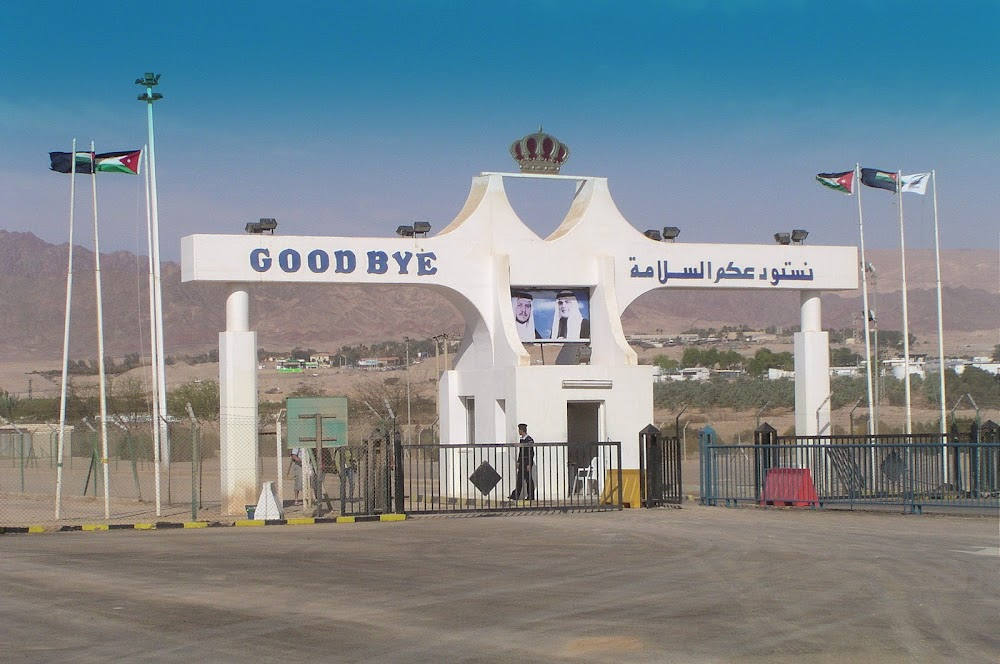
586,476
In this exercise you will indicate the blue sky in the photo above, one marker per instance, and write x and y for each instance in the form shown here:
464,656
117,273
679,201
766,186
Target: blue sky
350,119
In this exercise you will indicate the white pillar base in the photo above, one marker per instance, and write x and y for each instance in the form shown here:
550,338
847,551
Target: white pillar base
238,456
812,384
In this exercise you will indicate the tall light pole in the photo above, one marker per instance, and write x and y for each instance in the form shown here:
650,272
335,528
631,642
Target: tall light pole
872,317
149,80
409,422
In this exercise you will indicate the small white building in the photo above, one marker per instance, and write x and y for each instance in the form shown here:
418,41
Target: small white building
896,366
692,373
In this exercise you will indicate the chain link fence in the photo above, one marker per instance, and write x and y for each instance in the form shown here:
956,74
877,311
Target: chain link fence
125,486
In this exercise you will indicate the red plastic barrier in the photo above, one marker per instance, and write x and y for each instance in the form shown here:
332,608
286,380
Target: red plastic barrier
790,487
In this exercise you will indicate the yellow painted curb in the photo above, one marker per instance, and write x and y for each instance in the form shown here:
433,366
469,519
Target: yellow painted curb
196,524
345,519
95,526
302,521
249,522
37,529
145,526
392,517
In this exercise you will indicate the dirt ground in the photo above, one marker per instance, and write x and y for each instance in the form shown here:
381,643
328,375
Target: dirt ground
695,585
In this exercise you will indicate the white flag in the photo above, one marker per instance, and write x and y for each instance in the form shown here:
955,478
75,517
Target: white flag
915,183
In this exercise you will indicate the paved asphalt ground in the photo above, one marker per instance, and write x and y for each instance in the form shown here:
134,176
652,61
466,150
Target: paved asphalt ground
693,585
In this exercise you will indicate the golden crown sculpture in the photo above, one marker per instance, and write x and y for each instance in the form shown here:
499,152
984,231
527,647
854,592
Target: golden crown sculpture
539,153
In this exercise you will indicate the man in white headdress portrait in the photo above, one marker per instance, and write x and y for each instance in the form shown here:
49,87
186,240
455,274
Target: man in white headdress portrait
568,322
524,317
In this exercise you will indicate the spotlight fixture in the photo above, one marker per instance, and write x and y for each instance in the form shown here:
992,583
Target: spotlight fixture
404,231
421,228
670,233
653,235
783,238
265,225
799,236
148,81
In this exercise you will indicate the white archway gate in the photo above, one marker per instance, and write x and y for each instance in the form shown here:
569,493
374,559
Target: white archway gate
475,262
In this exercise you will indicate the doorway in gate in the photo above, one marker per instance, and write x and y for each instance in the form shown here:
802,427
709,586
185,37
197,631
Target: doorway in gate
583,425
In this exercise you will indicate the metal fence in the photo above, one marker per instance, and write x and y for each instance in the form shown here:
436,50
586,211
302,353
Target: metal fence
911,472
509,477
129,483
185,483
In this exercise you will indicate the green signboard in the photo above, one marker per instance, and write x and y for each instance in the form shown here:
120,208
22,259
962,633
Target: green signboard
302,418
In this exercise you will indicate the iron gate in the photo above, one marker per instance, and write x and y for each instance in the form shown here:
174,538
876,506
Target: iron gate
659,468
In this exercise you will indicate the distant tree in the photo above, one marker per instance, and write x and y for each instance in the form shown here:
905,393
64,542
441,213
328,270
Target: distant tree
844,357
996,353
666,363
10,405
306,390
765,359
730,359
893,339
302,353
981,385
202,395
128,398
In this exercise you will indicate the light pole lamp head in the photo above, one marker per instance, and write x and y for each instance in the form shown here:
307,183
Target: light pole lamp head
799,236
421,228
149,79
783,238
670,233
653,234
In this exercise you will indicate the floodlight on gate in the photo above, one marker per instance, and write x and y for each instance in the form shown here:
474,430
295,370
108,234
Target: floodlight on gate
783,238
404,231
799,236
653,234
265,225
421,228
670,233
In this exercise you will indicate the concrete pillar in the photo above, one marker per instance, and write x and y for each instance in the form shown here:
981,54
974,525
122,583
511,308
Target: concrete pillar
812,370
238,404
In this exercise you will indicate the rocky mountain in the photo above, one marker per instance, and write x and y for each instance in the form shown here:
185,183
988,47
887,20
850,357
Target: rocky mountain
33,291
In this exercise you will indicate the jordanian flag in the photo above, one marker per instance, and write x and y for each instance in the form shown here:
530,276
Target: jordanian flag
103,162
62,162
118,162
840,181
878,179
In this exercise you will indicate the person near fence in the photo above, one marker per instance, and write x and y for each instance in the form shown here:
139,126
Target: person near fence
525,465
296,454
347,467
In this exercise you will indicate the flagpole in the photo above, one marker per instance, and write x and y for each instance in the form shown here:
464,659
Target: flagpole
148,81
100,344
153,363
864,300
65,363
906,319
940,314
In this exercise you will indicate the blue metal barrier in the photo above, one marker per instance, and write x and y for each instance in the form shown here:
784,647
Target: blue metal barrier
914,472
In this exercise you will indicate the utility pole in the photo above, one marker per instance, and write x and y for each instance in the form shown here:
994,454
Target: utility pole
161,433
409,421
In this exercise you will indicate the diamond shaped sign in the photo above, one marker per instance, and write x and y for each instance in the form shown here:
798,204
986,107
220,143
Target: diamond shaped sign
485,478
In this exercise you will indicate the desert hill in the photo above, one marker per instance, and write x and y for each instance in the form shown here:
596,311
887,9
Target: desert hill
33,286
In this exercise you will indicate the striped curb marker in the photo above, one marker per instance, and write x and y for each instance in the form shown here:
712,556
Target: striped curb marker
170,525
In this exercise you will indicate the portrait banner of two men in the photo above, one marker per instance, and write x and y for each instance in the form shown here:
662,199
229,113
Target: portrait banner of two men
549,315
